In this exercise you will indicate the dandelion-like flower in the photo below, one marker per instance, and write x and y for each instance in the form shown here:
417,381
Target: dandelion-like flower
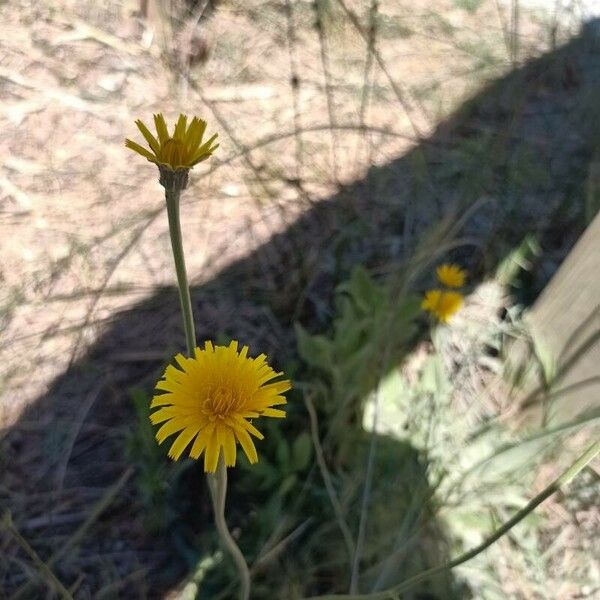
451,275
209,400
183,150
442,304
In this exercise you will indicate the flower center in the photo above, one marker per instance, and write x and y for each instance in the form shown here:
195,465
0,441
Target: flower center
220,403
173,152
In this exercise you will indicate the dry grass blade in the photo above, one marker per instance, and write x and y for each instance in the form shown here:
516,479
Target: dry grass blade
44,568
97,510
333,498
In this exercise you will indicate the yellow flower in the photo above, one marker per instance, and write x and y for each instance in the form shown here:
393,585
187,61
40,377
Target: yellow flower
183,150
442,304
451,275
209,400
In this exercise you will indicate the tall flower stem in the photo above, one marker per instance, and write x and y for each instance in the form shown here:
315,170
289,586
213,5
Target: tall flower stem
217,483
218,490
172,197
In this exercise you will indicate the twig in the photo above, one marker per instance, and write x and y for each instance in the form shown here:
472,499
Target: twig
19,196
246,155
85,407
84,31
324,48
395,87
137,234
367,86
95,513
48,93
295,85
108,591
186,50
263,560
43,568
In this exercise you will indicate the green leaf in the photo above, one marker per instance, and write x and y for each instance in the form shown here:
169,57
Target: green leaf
363,290
302,451
283,453
434,379
287,484
315,350
409,309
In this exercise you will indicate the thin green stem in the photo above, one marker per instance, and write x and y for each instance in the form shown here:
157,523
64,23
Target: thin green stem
335,503
217,484
172,198
394,592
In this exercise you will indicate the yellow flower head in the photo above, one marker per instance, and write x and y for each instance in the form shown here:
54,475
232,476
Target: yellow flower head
442,304
209,399
182,150
451,275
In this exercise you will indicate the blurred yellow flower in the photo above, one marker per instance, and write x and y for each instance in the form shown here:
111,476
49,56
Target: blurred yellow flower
451,275
442,304
182,150
209,400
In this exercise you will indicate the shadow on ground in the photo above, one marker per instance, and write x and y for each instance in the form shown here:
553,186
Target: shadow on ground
513,161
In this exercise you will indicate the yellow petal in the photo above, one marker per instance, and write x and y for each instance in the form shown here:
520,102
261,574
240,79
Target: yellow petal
161,128
431,300
183,439
168,386
161,400
183,361
200,442
248,445
152,141
201,157
277,388
267,376
179,392
248,427
180,128
169,428
205,150
193,137
226,440
164,414
273,412
211,455
140,150
451,275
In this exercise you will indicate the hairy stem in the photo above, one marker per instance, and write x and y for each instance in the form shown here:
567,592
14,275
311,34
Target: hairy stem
172,198
217,484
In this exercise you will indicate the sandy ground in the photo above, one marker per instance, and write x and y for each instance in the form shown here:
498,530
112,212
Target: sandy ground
82,229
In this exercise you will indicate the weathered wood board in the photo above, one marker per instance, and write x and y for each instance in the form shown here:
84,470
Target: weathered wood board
565,320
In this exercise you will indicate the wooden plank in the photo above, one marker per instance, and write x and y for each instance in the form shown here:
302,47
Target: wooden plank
565,322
